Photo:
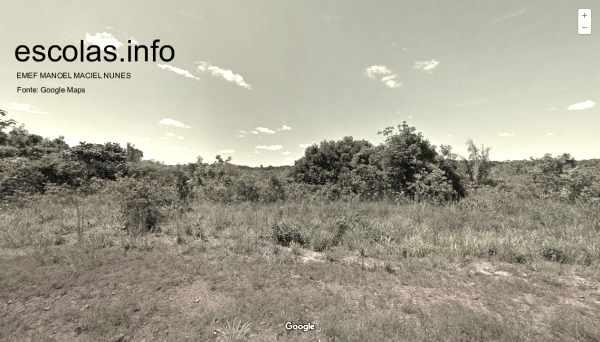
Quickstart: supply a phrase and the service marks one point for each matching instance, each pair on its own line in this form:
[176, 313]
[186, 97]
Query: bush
[20, 175]
[559, 177]
[325, 163]
[322, 239]
[406, 164]
[284, 233]
[143, 204]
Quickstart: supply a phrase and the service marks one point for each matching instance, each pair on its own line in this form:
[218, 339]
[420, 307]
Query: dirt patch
[308, 256]
[487, 268]
[197, 296]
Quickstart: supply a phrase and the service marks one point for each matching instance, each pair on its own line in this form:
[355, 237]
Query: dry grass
[493, 267]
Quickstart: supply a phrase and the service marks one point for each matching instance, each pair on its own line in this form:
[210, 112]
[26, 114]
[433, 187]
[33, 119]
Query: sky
[261, 80]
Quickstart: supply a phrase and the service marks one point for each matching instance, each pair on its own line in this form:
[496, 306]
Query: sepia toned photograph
[299, 170]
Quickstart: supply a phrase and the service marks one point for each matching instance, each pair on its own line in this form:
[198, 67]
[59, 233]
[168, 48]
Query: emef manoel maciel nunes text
[65, 75]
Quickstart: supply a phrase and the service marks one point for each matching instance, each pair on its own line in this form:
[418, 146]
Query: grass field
[493, 267]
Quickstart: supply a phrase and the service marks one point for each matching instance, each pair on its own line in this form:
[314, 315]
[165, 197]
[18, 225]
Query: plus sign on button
[584, 21]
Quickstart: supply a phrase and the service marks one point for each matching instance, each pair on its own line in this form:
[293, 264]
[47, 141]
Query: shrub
[325, 163]
[102, 161]
[432, 185]
[143, 203]
[478, 165]
[321, 240]
[406, 164]
[20, 175]
[284, 233]
[559, 177]
[183, 185]
[416, 247]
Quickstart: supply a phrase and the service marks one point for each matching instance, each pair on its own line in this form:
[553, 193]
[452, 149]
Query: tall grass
[488, 224]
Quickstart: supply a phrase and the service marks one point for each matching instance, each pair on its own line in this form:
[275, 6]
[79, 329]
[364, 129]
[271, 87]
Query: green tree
[478, 164]
[325, 163]
[5, 123]
[134, 155]
[103, 161]
[547, 171]
[411, 165]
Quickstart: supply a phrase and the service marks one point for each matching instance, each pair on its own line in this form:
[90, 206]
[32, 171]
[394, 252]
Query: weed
[284, 233]
[553, 254]
[235, 331]
[321, 240]
[415, 246]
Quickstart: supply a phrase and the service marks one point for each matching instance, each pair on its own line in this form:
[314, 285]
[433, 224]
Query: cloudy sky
[259, 80]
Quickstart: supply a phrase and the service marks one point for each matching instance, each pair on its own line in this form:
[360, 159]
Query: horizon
[260, 83]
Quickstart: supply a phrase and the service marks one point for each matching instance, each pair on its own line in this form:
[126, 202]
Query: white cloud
[553, 109]
[449, 135]
[227, 151]
[170, 134]
[24, 107]
[265, 130]
[506, 135]
[18, 106]
[428, 66]
[177, 71]
[171, 122]
[388, 81]
[285, 128]
[102, 40]
[382, 70]
[240, 136]
[272, 148]
[288, 152]
[289, 158]
[226, 74]
[549, 134]
[256, 152]
[304, 145]
[143, 148]
[377, 70]
[254, 132]
[243, 132]
[410, 116]
[582, 105]
[180, 137]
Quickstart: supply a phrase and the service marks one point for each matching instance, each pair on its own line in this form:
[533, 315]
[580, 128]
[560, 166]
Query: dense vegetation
[368, 242]
[404, 168]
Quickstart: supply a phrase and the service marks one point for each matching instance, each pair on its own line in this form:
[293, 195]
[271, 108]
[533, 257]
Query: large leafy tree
[406, 163]
[4, 124]
[134, 155]
[102, 161]
[410, 164]
[325, 163]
